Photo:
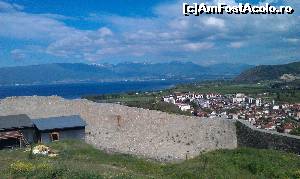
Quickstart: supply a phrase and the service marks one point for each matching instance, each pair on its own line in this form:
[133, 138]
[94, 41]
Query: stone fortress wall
[250, 136]
[116, 128]
[147, 133]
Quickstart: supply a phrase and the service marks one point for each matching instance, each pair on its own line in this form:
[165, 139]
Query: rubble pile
[43, 150]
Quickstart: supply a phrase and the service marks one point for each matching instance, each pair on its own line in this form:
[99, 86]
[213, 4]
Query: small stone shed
[60, 128]
[16, 131]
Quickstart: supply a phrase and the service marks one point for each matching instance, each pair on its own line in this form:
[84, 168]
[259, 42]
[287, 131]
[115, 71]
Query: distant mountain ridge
[268, 72]
[79, 72]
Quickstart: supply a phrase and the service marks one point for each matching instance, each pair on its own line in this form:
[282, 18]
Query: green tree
[295, 131]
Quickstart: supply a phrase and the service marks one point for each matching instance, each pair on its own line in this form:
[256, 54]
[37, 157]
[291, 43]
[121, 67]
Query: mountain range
[79, 72]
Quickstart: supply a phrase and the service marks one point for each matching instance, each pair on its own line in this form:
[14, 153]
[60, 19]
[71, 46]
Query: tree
[295, 131]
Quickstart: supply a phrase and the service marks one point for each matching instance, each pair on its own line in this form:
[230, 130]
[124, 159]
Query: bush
[295, 131]
[297, 174]
[19, 167]
[47, 170]
[23, 168]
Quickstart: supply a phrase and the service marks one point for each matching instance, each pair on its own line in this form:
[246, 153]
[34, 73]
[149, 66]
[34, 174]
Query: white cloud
[168, 34]
[18, 54]
[292, 40]
[70, 46]
[104, 31]
[198, 46]
[30, 26]
[7, 7]
[236, 44]
[215, 22]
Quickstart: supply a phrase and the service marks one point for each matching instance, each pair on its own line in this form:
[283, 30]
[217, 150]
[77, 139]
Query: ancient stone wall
[146, 133]
[249, 136]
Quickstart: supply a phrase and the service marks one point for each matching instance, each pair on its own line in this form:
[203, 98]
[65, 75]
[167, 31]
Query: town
[260, 111]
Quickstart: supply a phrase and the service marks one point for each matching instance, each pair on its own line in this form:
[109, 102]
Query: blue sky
[97, 31]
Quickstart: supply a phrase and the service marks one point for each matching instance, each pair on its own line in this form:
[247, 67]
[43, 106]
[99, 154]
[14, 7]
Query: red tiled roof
[288, 126]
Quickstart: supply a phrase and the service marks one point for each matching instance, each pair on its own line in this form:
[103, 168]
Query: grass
[80, 160]
[222, 88]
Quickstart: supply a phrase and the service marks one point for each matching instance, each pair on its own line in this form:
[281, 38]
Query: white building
[198, 96]
[203, 103]
[169, 99]
[184, 107]
[275, 107]
[239, 98]
[251, 100]
[258, 102]
[181, 98]
[298, 115]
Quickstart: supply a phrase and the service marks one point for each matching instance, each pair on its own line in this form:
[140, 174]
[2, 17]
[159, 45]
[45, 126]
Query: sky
[116, 31]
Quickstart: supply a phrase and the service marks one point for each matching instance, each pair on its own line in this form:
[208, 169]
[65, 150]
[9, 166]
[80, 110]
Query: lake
[72, 91]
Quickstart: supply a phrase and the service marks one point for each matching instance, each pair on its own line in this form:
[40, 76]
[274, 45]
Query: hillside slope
[268, 72]
[79, 160]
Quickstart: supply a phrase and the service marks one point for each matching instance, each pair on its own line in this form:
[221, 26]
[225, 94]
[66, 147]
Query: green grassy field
[222, 88]
[79, 160]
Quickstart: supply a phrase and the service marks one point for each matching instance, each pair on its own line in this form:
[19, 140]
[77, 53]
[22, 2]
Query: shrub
[19, 167]
[295, 131]
[22, 168]
[297, 174]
